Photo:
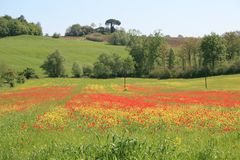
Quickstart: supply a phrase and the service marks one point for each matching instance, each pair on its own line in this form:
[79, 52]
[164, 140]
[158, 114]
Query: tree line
[106, 66]
[18, 26]
[151, 56]
[77, 30]
[197, 57]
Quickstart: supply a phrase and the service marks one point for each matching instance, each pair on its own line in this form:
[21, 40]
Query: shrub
[97, 37]
[29, 73]
[56, 35]
[76, 70]
[54, 65]
[10, 76]
[20, 78]
[234, 67]
[87, 70]
[119, 38]
[160, 73]
[101, 70]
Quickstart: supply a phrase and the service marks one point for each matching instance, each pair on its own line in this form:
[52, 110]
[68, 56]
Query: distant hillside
[30, 51]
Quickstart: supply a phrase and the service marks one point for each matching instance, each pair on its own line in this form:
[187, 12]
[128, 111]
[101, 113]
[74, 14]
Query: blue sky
[173, 17]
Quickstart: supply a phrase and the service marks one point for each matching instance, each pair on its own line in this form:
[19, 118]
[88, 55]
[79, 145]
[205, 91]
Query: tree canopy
[112, 23]
[19, 26]
[214, 49]
[54, 65]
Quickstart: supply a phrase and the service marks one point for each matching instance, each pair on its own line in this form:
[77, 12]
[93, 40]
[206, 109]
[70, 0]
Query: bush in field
[54, 65]
[102, 70]
[111, 64]
[87, 70]
[76, 70]
[78, 30]
[9, 76]
[119, 38]
[3, 69]
[29, 73]
[128, 66]
[20, 78]
[97, 37]
[160, 73]
[56, 35]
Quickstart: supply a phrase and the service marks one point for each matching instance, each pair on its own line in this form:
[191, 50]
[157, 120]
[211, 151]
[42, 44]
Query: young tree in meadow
[138, 51]
[56, 35]
[54, 65]
[171, 59]
[214, 50]
[128, 67]
[116, 65]
[87, 70]
[102, 70]
[76, 70]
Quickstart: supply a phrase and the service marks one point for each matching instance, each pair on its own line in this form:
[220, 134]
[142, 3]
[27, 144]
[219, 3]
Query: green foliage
[97, 37]
[54, 65]
[103, 67]
[101, 70]
[160, 73]
[87, 70]
[77, 30]
[120, 37]
[76, 70]
[18, 26]
[171, 59]
[233, 45]
[113, 66]
[214, 50]
[128, 66]
[112, 23]
[56, 35]
[29, 73]
[20, 78]
[190, 54]
[139, 54]
[9, 76]
[148, 52]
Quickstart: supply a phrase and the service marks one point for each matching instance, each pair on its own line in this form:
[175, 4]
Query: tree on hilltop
[112, 23]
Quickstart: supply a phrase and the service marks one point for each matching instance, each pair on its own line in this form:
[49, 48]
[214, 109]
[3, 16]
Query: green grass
[30, 51]
[130, 143]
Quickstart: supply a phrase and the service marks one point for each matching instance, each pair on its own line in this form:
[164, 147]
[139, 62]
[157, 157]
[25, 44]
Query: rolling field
[30, 51]
[97, 119]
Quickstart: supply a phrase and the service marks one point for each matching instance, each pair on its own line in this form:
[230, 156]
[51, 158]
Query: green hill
[30, 51]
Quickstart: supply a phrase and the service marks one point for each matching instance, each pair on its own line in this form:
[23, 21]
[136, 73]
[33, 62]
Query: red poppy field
[98, 119]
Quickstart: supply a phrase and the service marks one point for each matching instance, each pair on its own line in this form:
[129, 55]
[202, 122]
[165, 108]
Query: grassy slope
[30, 51]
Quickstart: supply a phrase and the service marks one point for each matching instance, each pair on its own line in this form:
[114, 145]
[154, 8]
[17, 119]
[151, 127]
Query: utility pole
[206, 74]
[124, 83]
[206, 86]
